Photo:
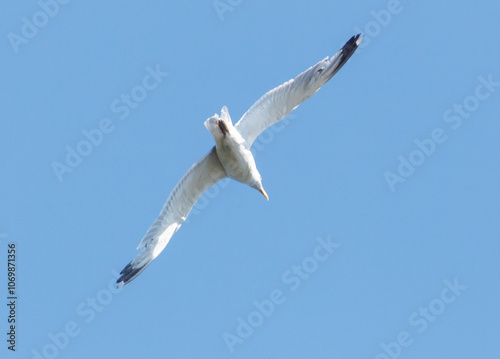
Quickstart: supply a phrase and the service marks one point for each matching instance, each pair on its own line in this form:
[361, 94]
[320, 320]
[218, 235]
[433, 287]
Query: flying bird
[231, 156]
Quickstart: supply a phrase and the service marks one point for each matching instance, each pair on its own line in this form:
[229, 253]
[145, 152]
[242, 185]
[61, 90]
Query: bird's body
[232, 152]
[238, 162]
[231, 157]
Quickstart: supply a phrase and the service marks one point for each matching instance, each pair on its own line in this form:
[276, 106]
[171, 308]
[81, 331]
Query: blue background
[324, 171]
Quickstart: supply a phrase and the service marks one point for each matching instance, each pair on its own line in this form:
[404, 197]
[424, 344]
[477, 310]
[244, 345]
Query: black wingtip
[129, 273]
[350, 46]
[354, 39]
[347, 50]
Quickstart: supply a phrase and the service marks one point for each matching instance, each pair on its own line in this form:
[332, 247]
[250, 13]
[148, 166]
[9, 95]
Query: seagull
[231, 156]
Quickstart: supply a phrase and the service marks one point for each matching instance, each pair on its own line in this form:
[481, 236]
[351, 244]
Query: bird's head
[258, 186]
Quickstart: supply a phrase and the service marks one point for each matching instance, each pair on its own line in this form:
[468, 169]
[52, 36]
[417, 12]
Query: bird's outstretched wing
[279, 102]
[200, 177]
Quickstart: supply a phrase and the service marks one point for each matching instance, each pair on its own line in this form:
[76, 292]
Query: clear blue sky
[394, 163]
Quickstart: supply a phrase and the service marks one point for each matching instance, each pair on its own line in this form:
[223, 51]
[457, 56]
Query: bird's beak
[264, 193]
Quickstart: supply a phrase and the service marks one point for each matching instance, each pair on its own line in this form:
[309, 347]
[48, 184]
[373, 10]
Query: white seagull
[231, 156]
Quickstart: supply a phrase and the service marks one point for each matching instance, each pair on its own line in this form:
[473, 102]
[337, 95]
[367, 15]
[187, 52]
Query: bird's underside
[231, 156]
